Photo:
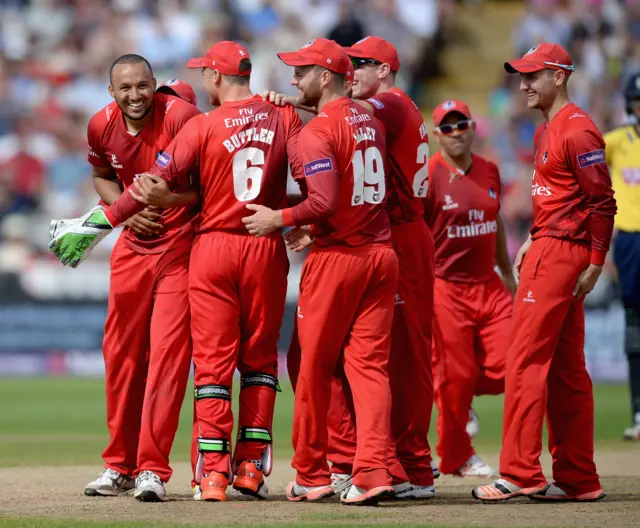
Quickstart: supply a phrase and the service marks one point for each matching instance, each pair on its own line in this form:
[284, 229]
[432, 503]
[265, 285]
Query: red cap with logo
[180, 89]
[542, 57]
[443, 109]
[225, 57]
[320, 52]
[376, 48]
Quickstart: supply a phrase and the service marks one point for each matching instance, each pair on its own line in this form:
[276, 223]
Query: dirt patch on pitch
[56, 492]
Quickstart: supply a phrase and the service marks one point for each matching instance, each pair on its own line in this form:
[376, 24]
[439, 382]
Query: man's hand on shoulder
[283, 100]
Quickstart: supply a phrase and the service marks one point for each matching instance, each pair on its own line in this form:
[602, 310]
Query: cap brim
[294, 58]
[167, 89]
[357, 53]
[198, 62]
[441, 117]
[522, 66]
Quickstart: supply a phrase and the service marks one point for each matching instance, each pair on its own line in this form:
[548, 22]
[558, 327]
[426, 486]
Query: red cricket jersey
[407, 154]
[112, 146]
[462, 214]
[571, 187]
[342, 151]
[241, 150]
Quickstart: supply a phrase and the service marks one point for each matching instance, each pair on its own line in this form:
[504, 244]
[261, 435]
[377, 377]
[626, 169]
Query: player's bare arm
[106, 183]
[502, 257]
[108, 188]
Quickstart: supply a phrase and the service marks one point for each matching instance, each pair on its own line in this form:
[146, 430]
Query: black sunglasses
[446, 130]
[359, 63]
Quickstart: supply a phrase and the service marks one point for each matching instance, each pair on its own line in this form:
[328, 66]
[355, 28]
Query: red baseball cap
[443, 109]
[180, 89]
[225, 57]
[542, 57]
[376, 48]
[320, 52]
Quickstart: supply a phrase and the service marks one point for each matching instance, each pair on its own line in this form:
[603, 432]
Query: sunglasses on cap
[359, 63]
[447, 130]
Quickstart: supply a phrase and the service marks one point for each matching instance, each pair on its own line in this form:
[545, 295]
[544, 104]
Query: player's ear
[155, 84]
[383, 70]
[112, 92]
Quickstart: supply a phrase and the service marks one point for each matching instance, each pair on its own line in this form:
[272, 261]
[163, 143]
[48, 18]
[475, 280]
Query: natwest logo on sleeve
[321, 165]
[591, 158]
[163, 159]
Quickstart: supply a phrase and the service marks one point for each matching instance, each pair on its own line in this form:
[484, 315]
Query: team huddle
[200, 274]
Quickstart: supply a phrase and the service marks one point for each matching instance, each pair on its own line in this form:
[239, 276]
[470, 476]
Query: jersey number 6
[368, 177]
[247, 177]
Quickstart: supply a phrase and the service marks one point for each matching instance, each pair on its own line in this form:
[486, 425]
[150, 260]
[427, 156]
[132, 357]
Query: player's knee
[632, 332]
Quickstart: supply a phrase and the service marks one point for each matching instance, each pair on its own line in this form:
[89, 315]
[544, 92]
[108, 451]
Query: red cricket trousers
[410, 359]
[410, 364]
[237, 290]
[147, 355]
[546, 373]
[345, 312]
[471, 328]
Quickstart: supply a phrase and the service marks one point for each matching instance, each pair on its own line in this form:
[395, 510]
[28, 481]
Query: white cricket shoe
[109, 484]
[434, 468]
[355, 496]
[473, 425]
[475, 467]
[633, 433]
[197, 493]
[340, 482]
[149, 487]
[408, 491]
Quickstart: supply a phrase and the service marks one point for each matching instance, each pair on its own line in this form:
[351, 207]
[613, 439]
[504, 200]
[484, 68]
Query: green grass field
[61, 421]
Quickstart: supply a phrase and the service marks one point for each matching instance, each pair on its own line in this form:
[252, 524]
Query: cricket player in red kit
[348, 282]
[472, 323]
[241, 150]
[147, 343]
[376, 65]
[558, 265]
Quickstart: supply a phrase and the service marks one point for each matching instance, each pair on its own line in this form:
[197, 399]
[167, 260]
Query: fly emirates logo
[537, 189]
[246, 116]
[476, 226]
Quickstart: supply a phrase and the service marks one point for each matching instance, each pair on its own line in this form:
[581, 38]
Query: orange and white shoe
[213, 487]
[355, 496]
[475, 467]
[250, 481]
[296, 492]
[501, 489]
[553, 493]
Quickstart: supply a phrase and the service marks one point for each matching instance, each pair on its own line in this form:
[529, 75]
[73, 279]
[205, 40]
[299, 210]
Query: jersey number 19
[368, 177]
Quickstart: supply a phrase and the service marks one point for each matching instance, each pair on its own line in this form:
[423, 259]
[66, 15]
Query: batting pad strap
[254, 434]
[213, 445]
[219, 392]
[259, 379]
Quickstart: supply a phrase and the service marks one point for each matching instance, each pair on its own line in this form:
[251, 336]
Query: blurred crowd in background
[55, 57]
